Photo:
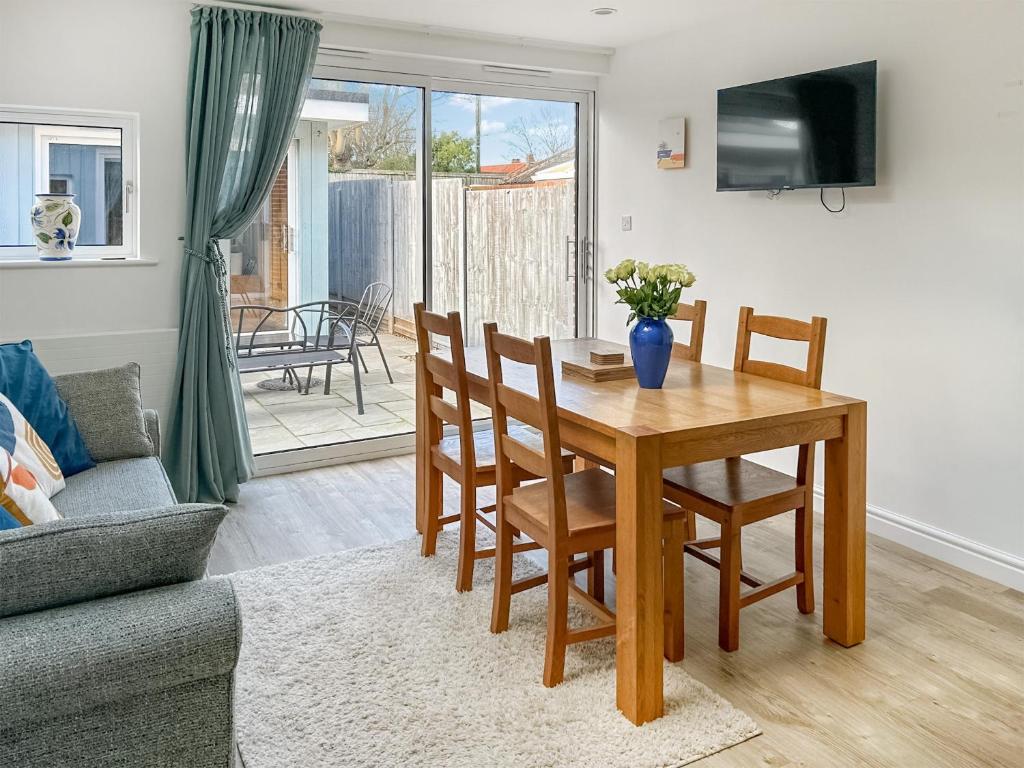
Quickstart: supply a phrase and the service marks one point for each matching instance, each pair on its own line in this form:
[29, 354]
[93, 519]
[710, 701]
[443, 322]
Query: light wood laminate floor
[939, 681]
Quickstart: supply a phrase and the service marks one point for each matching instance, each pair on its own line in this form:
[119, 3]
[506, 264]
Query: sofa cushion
[68, 561]
[115, 486]
[25, 381]
[107, 406]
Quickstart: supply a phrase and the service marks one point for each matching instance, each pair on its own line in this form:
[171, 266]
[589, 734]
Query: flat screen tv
[812, 130]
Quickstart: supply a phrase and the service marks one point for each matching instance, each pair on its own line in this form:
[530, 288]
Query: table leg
[845, 530]
[579, 464]
[640, 633]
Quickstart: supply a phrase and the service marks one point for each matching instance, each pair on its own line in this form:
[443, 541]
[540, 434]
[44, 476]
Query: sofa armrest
[64, 661]
[77, 559]
[153, 428]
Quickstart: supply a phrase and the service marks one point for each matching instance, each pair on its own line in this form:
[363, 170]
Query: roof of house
[505, 168]
[526, 174]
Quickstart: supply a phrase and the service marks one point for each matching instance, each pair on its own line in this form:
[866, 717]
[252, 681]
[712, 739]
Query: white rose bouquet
[650, 291]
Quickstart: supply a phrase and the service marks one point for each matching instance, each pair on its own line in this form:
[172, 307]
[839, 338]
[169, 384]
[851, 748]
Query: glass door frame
[586, 221]
[585, 248]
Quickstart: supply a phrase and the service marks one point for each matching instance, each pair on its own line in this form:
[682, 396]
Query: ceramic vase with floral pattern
[55, 223]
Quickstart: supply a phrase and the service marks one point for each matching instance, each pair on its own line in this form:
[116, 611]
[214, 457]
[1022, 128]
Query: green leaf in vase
[43, 237]
[67, 219]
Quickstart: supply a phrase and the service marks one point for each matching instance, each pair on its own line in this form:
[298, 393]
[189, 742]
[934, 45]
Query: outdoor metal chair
[365, 319]
[331, 341]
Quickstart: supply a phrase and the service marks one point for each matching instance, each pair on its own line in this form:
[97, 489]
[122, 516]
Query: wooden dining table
[702, 413]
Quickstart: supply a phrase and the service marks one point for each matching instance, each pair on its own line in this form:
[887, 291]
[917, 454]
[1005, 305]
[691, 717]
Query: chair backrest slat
[373, 304]
[540, 411]
[442, 371]
[779, 327]
[520, 405]
[444, 410]
[776, 371]
[524, 456]
[434, 323]
[696, 314]
[436, 374]
[520, 350]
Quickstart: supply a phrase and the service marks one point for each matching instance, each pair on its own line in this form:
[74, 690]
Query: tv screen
[813, 130]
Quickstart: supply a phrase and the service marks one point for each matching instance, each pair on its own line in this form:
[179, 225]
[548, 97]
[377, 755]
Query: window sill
[75, 263]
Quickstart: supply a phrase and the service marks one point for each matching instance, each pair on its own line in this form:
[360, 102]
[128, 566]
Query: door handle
[570, 259]
[588, 259]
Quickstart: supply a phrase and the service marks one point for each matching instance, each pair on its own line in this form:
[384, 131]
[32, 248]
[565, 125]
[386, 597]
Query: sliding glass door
[469, 197]
[508, 171]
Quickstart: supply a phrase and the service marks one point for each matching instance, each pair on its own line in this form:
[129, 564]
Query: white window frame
[472, 80]
[83, 124]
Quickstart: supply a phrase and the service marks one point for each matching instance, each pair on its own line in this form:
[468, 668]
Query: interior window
[87, 158]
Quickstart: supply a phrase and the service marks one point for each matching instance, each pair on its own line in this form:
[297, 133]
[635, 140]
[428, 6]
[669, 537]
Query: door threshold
[298, 459]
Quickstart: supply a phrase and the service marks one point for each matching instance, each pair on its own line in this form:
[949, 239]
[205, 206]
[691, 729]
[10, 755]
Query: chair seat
[449, 448]
[589, 502]
[732, 483]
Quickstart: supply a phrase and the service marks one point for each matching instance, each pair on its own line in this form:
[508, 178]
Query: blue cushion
[25, 381]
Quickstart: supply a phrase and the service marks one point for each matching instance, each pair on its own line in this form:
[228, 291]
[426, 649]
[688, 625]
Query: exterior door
[510, 208]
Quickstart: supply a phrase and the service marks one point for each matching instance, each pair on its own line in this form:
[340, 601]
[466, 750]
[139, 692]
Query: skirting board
[979, 559]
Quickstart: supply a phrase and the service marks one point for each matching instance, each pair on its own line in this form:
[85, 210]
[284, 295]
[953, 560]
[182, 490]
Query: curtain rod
[304, 13]
[325, 17]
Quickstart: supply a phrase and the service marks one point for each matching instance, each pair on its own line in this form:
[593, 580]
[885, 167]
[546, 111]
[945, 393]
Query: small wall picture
[672, 143]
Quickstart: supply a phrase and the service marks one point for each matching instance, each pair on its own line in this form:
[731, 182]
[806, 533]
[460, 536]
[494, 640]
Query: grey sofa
[113, 649]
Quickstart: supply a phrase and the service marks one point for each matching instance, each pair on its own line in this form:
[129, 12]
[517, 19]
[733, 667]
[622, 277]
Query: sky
[457, 111]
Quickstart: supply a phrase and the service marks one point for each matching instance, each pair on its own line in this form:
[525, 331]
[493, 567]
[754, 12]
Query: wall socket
[627, 223]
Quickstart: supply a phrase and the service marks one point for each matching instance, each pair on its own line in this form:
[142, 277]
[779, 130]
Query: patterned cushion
[22, 501]
[21, 441]
[25, 381]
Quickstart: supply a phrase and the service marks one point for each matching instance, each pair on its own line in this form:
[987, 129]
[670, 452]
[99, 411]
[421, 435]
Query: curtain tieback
[214, 258]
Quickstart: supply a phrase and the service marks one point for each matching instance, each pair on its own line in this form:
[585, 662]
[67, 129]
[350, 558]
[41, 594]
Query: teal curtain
[247, 81]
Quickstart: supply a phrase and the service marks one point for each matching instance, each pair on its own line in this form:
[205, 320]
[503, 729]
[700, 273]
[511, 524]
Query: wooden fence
[498, 254]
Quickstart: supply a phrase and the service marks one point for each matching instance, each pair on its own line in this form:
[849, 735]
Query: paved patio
[283, 421]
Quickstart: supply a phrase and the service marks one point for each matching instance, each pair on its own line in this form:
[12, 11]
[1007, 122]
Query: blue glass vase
[650, 343]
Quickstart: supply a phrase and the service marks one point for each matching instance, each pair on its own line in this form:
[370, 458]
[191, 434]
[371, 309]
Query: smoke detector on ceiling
[604, 11]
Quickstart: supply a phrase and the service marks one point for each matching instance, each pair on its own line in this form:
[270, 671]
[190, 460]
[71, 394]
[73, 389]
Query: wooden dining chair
[735, 492]
[466, 457]
[694, 313]
[570, 515]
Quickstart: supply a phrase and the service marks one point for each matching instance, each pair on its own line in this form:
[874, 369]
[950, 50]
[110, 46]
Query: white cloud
[467, 101]
[492, 126]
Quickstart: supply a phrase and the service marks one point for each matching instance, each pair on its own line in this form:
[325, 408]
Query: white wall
[132, 55]
[921, 278]
[115, 56]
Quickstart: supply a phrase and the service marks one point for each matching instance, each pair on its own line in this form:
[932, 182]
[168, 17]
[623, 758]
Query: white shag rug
[370, 658]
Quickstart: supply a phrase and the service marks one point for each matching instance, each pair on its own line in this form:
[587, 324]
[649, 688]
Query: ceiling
[568, 21]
